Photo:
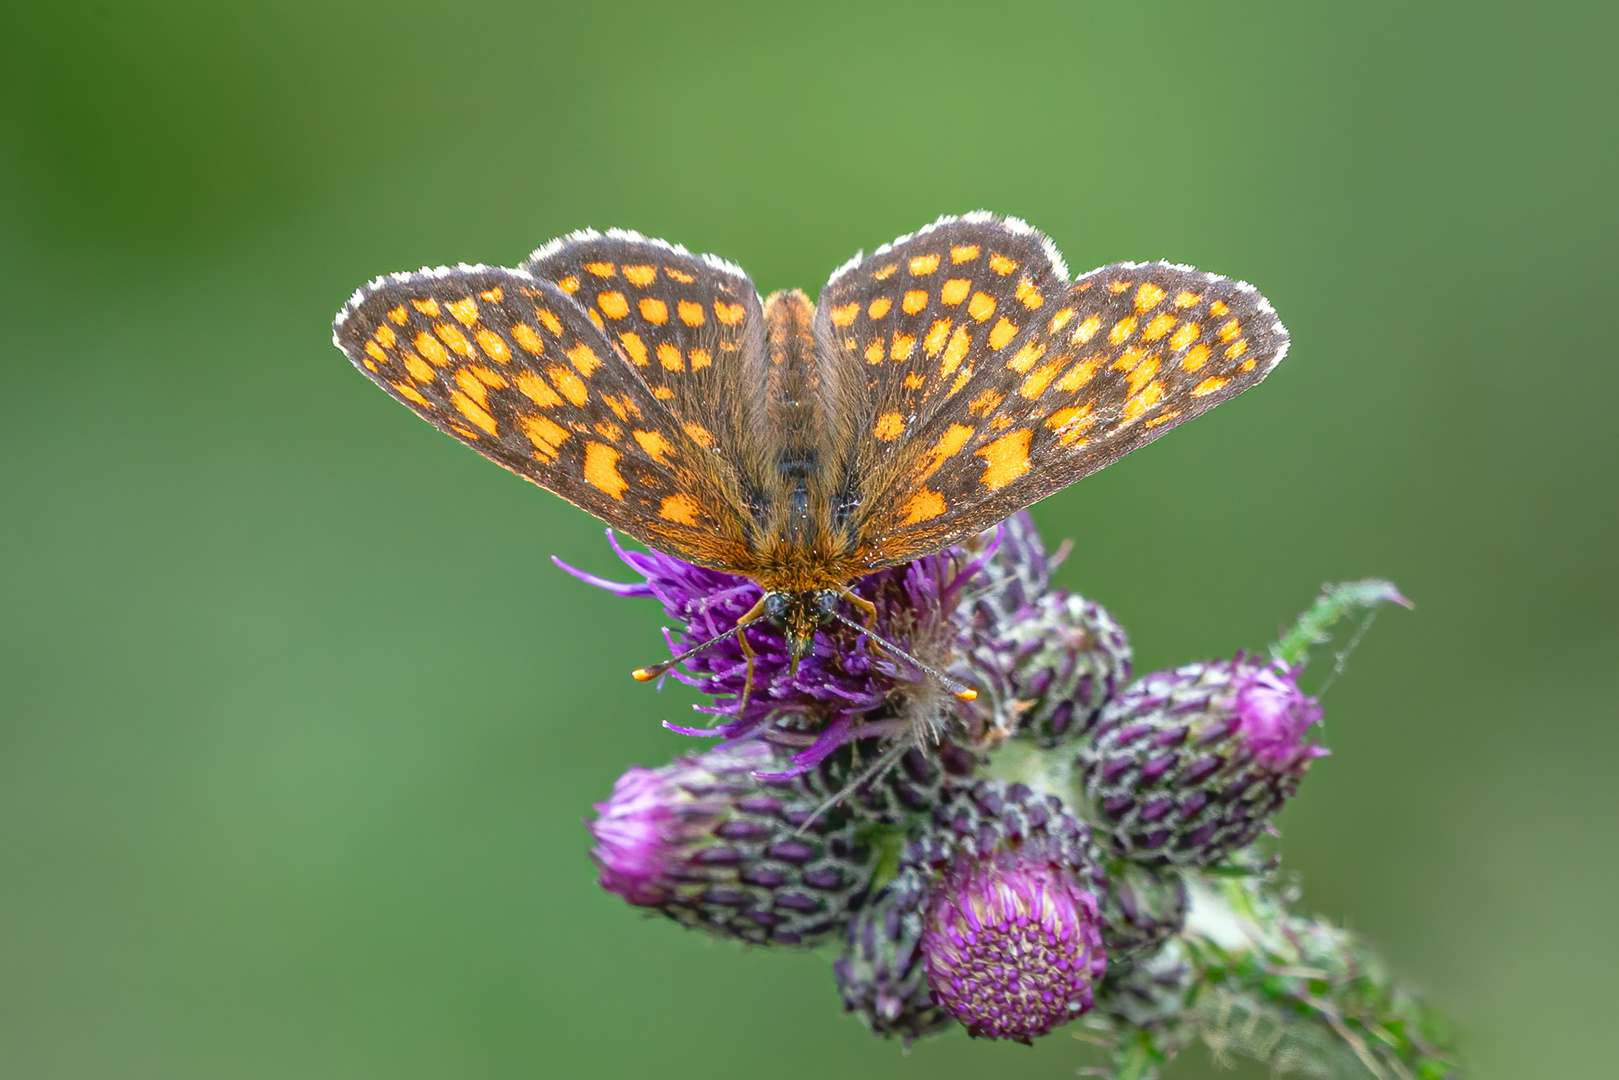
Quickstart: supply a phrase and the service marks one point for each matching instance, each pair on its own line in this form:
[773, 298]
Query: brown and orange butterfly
[936, 387]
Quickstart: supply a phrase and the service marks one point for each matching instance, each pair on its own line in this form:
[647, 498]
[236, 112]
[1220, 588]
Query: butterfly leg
[753, 615]
[867, 609]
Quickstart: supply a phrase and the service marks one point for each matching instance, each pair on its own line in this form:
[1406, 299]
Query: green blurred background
[299, 721]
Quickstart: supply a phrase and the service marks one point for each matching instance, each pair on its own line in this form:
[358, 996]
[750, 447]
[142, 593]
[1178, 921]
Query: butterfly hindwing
[510, 365]
[992, 381]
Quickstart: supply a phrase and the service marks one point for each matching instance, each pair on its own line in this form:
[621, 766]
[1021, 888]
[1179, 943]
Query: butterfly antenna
[956, 687]
[653, 671]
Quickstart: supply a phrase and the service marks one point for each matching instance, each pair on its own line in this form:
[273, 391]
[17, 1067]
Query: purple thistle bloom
[1186, 766]
[711, 844]
[1013, 946]
[847, 689]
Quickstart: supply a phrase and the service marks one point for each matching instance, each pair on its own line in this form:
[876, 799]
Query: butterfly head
[799, 614]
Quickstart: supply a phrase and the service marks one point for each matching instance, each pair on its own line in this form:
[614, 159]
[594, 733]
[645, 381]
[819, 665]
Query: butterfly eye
[826, 604]
[776, 607]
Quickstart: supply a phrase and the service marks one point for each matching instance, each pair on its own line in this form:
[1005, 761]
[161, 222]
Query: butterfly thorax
[800, 538]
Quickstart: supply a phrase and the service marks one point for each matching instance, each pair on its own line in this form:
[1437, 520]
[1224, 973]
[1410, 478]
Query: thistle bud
[881, 974]
[711, 845]
[1068, 658]
[1188, 765]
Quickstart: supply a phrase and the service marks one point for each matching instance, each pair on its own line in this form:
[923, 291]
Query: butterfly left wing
[510, 365]
[988, 380]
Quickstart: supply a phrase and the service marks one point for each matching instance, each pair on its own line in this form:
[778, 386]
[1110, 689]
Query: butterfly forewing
[691, 326]
[510, 365]
[992, 381]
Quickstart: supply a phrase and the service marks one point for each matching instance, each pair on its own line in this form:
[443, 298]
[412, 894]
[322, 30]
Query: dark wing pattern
[509, 364]
[691, 325]
[989, 381]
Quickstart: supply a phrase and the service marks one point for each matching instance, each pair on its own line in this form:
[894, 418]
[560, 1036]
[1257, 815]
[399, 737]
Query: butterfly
[934, 388]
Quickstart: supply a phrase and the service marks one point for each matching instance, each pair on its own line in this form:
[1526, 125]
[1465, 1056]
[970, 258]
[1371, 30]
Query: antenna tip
[647, 674]
[967, 694]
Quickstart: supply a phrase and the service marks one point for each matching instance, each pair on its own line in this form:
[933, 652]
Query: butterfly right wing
[510, 365]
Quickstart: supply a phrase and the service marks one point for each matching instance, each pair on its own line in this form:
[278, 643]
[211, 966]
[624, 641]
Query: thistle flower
[711, 844]
[881, 973]
[1068, 658]
[1188, 765]
[847, 690]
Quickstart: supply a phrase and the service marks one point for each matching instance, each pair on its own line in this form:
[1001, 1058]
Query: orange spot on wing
[889, 426]
[691, 313]
[1128, 359]
[914, 301]
[700, 359]
[1183, 337]
[1236, 349]
[904, 345]
[537, 390]
[609, 431]
[528, 339]
[981, 306]
[654, 311]
[1070, 424]
[1148, 297]
[875, 349]
[613, 304]
[1025, 357]
[679, 508]
[669, 356]
[1158, 327]
[634, 347]
[1036, 384]
[879, 307]
[1117, 287]
[923, 264]
[1140, 403]
[465, 310]
[569, 285]
[1163, 418]
[418, 369]
[844, 316]
[1001, 264]
[1002, 334]
[584, 358]
[493, 345]
[1121, 330]
[1142, 373]
[595, 317]
[951, 442]
[601, 469]
[546, 436]
[663, 393]
[493, 296]
[568, 383]
[885, 273]
[679, 275]
[955, 290]
[600, 269]
[429, 346]
[1080, 374]
[1028, 294]
[386, 337]
[1230, 330]
[473, 411]
[1195, 359]
[548, 319]
[985, 403]
[934, 341]
[1005, 459]
[729, 314]
[955, 352]
[914, 381]
[923, 506]
[655, 445]
[641, 276]
[410, 393]
[1218, 308]
[472, 387]
[963, 253]
[454, 338]
[376, 352]
[1086, 330]
[428, 307]
[399, 314]
[700, 435]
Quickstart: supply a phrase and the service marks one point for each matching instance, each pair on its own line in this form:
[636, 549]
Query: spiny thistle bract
[1066, 845]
